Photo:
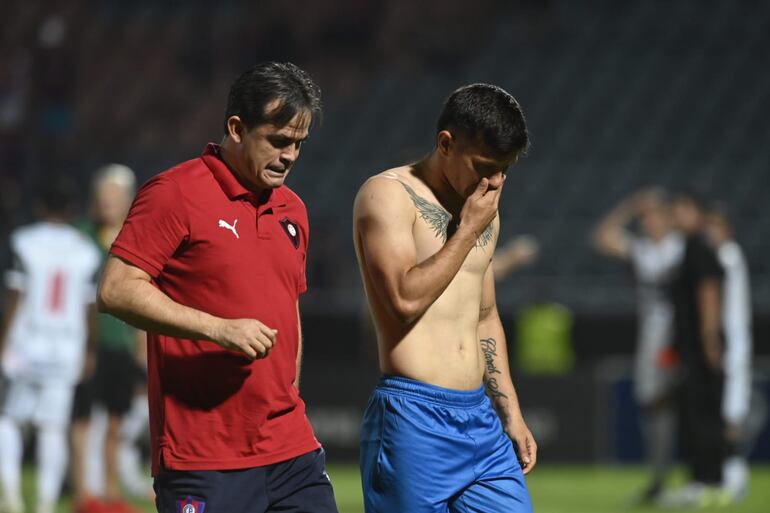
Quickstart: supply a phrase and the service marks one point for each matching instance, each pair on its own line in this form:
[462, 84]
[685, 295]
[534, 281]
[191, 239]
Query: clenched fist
[247, 336]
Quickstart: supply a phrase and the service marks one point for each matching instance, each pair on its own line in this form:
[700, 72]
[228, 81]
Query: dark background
[618, 95]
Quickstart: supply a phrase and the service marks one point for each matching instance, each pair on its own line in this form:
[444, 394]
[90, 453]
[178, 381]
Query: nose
[496, 180]
[289, 155]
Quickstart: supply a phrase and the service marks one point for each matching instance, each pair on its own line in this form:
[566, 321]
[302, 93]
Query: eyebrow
[286, 138]
[489, 164]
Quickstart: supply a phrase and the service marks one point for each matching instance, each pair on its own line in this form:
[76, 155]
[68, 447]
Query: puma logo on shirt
[231, 227]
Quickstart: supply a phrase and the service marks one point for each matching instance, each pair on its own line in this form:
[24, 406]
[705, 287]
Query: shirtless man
[424, 236]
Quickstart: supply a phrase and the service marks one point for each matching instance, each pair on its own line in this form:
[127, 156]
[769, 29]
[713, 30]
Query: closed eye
[485, 169]
[284, 142]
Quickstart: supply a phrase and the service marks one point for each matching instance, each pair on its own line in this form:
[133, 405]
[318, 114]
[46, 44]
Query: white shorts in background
[39, 403]
[652, 382]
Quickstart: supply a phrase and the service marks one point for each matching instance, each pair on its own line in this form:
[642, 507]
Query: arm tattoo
[485, 237]
[438, 218]
[489, 348]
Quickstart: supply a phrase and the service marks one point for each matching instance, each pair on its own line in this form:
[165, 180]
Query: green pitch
[555, 489]
[577, 489]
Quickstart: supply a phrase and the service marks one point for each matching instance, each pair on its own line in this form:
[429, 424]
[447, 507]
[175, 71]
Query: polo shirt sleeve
[156, 226]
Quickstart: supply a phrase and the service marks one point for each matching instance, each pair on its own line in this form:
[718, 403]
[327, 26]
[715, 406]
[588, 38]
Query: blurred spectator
[543, 328]
[54, 75]
[653, 256]
[118, 364]
[14, 90]
[696, 293]
[736, 326]
[50, 300]
[516, 253]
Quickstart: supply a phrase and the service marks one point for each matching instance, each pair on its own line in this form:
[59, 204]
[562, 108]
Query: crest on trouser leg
[190, 505]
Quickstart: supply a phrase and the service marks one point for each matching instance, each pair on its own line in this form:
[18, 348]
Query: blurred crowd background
[618, 96]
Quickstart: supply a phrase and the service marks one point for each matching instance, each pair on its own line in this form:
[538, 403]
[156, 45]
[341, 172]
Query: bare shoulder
[385, 191]
[388, 179]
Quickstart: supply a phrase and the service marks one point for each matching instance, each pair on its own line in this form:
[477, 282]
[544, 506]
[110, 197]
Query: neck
[229, 156]
[107, 234]
[113, 224]
[431, 172]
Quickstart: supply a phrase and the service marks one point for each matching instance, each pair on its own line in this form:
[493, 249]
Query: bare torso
[441, 347]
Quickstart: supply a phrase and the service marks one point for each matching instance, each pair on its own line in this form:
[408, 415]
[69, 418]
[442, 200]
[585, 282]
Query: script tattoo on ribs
[489, 348]
[438, 218]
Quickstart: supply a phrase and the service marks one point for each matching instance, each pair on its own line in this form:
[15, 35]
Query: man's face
[267, 152]
[717, 229]
[111, 203]
[655, 219]
[687, 215]
[468, 161]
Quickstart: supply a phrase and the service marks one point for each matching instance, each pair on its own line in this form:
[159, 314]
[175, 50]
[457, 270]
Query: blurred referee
[696, 294]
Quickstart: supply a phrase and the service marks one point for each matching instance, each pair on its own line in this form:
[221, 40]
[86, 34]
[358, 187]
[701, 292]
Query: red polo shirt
[210, 244]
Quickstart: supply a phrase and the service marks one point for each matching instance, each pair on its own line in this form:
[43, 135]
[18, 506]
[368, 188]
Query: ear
[444, 142]
[235, 129]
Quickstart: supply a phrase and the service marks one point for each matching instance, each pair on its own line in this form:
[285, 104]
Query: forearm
[425, 282]
[503, 263]
[497, 376]
[609, 235]
[710, 317]
[142, 305]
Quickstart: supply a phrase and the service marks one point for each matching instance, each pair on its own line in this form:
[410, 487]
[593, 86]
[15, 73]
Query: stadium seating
[618, 96]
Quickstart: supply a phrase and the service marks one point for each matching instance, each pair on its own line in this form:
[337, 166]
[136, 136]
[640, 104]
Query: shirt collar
[230, 185]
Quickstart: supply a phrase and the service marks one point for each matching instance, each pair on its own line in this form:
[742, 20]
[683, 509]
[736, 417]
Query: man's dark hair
[255, 88]
[694, 196]
[489, 113]
[57, 196]
[721, 209]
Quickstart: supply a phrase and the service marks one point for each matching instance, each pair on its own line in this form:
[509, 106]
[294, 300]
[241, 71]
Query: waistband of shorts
[399, 385]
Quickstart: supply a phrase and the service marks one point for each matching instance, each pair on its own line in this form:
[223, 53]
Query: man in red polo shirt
[211, 262]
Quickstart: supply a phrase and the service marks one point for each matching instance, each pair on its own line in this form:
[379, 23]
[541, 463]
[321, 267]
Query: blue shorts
[298, 485]
[427, 449]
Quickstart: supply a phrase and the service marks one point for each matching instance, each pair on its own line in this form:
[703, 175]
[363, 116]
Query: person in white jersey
[736, 326]
[51, 290]
[653, 255]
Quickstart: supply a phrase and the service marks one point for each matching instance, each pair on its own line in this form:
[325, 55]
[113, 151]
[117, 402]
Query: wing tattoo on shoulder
[436, 217]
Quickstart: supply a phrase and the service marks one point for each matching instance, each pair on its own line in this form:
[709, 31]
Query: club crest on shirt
[190, 505]
[290, 228]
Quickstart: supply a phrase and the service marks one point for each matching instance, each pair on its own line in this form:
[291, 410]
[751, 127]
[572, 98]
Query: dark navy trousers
[299, 485]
